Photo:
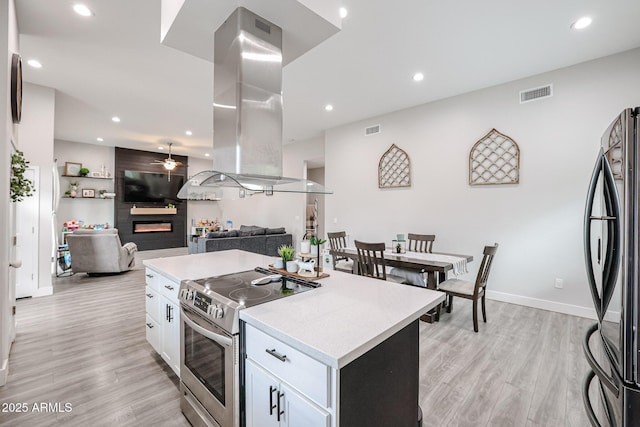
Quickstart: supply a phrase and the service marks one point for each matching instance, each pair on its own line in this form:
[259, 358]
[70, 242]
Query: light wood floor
[86, 346]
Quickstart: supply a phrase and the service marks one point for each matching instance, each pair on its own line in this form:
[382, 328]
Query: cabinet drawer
[169, 289]
[153, 333]
[152, 279]
[297, 369]
[152, 304]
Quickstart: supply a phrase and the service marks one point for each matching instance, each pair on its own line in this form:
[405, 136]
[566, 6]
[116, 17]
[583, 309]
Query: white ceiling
[113, 63]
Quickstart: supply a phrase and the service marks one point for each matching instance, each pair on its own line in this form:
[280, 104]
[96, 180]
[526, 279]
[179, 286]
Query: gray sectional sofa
[251, 238]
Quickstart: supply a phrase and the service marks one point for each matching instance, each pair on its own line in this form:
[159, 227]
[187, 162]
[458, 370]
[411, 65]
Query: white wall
[9, 131]
[197, 210]
[538, 223]
[91, 156]
[36, 141]
[282, 209]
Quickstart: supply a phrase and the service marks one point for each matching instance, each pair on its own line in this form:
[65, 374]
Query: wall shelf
[88, 177]
[154, 211]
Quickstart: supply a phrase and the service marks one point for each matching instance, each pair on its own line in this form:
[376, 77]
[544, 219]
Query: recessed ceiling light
[99, 139]
[581, 23]
[328, 107]
[418, 77]
[206, 154]
[82, 10]
[343, 12]
[34, 63]
[189, 133]
[115, 119]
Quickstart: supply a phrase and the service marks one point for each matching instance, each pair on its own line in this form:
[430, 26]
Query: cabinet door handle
[274, 353]
[166, 312]
[149, 276]
[170, 318]
[149, 325]
[149, 295]
[169, 287]
[280, 395]
[271, 405]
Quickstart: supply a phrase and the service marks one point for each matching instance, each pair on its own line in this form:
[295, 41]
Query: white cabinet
[271, 402]
[284, 387]
[163, 317]
[171, 335]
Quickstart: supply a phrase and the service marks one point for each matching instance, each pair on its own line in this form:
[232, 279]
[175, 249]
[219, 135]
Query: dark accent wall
[136, 160]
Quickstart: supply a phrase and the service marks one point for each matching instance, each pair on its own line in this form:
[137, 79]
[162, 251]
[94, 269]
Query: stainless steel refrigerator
[612, 256]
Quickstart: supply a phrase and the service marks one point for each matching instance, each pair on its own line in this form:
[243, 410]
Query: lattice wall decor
[494, 159]
[394, 169]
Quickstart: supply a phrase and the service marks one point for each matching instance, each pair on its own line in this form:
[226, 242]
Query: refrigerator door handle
[605, 379]
[599, 250]
[587, 403]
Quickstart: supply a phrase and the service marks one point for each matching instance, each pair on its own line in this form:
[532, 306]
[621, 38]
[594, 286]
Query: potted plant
[315, 250]
[20, 187]
[84, 172]
[315, 244]
[73, 189]
[286, 252]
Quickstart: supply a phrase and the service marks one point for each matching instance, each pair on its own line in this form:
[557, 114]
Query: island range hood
[247, 113]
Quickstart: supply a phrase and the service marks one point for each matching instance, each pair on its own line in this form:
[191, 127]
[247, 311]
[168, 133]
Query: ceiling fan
[169, 163]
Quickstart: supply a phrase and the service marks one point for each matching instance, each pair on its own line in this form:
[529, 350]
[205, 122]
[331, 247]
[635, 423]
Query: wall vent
[371, 130]
[536, 93]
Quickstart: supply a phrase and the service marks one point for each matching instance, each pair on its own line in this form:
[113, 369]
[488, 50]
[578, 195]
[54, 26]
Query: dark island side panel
[380, 388]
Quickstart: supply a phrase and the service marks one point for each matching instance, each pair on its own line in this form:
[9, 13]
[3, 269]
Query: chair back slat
[421, 242]
[337, 240]
[485, 267]
[371, 260]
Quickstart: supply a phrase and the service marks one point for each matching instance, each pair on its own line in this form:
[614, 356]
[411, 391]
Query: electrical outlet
[559, 283]
[335, 220]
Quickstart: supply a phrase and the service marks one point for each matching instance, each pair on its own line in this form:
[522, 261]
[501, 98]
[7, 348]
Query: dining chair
[421, 242]
[371, 262]
[471, 290]
[338, 240]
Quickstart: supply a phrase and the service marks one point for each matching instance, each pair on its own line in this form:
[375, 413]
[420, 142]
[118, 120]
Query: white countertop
[209, 264]
[335, 323]
[344, 318]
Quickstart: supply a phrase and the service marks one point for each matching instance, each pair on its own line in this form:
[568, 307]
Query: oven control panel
[203, 303]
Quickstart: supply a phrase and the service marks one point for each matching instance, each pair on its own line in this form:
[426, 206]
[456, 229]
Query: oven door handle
[220, 339]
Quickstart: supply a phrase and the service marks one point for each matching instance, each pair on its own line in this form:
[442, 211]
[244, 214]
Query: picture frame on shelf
[72, 169]
[89, 193]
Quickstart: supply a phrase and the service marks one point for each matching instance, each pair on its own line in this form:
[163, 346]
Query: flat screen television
[148, 187]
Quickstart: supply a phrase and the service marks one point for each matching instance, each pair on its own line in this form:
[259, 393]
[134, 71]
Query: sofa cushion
[279, 230]
[222, 234]
[253, 230]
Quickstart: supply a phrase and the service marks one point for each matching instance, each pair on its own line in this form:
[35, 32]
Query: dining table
[434, 265]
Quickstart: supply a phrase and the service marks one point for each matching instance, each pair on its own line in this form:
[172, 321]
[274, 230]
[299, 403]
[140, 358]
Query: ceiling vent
[536, 93]
[371, 130]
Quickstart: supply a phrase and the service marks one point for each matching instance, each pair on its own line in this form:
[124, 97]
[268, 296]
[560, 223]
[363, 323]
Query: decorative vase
[73, 193]
[292, 266]
[305, 246]
[314, 249]
[278, 263]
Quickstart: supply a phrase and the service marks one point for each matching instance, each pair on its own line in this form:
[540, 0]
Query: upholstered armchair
[100, 251]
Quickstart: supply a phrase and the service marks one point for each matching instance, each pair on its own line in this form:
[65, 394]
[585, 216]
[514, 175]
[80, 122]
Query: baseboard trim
[574, 310]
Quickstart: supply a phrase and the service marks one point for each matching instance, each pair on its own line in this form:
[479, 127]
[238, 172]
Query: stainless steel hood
[247, 114]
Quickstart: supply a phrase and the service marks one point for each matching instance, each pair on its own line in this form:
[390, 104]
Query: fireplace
[154, 226]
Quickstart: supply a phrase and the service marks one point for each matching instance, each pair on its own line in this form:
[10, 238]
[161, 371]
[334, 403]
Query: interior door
[26, 239]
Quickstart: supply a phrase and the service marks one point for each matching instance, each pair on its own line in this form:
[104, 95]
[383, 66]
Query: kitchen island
[345, 353]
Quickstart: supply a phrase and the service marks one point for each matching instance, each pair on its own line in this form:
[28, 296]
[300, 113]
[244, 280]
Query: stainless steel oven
[209, 339]
[208, 371]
